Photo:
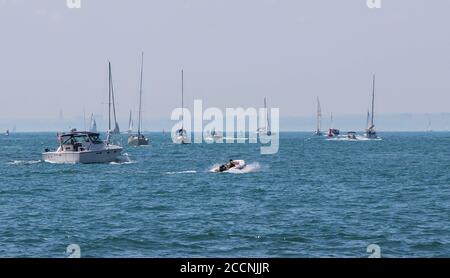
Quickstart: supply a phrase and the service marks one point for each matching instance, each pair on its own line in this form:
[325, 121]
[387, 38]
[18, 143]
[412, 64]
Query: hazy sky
[233, 53]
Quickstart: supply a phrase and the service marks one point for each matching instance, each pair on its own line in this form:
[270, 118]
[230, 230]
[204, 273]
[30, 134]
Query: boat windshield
[70, 140]
[95, 139]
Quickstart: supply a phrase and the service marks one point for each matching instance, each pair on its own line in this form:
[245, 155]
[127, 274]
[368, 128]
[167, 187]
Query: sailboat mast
[140, 96]
[113, 99]
[373, 100]
[319, 115]
[182, 100]
[109, 96]
[267, 113]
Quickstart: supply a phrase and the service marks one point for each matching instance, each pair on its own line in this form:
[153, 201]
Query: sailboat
[370, 132]
[130, 124]
[93, 124]
[332, 132]
[319, 119]
[266, 130]
[138, 139]
[180, 134]
[112, 103]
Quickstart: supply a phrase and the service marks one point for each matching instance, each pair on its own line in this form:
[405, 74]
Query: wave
[24, 162]
[124, 159]
[358, 138]
[182, 172]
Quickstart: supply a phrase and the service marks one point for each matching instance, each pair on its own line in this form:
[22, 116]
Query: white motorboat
[370, 132]
[332, 132]
[82, 147]
[232, 164]
[138, 139]
[352, 135]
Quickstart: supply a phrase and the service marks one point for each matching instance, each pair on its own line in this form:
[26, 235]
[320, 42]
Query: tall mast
[331, 120]
[109, 96]
[140, 95]
[319, 115]
[113, 99]
[182, 100]
[373, 100]
[267, 113]
[368, 118]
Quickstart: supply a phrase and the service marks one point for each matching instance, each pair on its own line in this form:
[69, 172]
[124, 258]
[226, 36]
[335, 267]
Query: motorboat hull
[100, 156]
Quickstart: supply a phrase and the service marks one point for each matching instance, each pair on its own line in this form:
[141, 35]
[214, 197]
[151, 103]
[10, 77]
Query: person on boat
[231, 163]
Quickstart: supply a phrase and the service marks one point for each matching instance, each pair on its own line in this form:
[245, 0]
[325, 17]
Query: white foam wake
[23, 162]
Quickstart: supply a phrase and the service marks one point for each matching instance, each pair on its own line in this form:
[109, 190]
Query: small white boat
[332, 132]
[318, 131]
[266, 130]
[82, 147]
[181, 134]
[93, 125]
[138, 139]
[7, 132]
[352, 135]
[232, 164]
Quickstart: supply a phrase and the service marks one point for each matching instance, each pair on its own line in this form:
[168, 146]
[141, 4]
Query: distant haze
[233, 52]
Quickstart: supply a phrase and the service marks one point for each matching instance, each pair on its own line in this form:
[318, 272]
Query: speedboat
[82, 147]
[351, 135]
[232, 164]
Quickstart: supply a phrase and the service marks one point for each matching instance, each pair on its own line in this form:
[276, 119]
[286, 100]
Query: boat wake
[182, 172]
[124, 159]
[23, 162]
[358, 138]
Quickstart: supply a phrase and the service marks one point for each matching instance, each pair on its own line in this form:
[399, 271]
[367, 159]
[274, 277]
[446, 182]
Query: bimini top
[77, 133]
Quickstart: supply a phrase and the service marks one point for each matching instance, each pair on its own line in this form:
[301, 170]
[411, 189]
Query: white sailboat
[181, 134]
[138, 139]
[319, 119]
[112, 103]
[130, 124]
[266, 130]
[93, 124]
[370, 132]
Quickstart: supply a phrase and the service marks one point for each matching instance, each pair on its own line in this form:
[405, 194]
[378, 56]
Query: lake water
[314, 198]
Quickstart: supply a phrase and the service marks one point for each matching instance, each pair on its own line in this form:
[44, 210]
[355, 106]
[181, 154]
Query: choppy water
[315, 198]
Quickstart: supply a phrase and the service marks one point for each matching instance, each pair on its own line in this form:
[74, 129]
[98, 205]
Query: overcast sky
[233, 53]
